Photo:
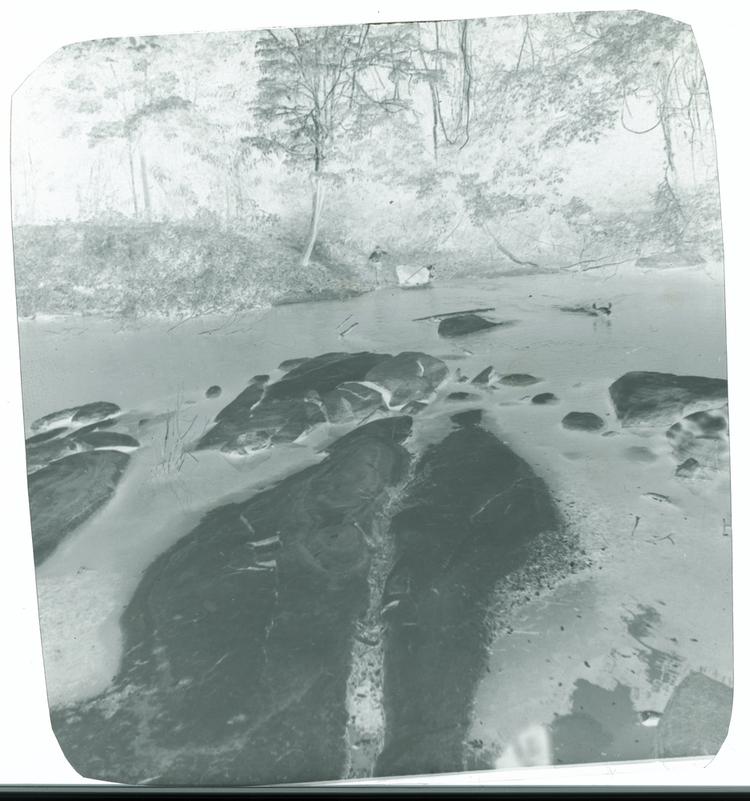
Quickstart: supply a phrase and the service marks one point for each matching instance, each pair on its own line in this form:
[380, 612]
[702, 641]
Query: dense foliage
[275, 161]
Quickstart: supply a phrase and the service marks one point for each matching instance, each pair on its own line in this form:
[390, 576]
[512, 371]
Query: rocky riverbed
[371, 561]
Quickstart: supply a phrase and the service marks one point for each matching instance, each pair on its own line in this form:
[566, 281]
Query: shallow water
[655, 603]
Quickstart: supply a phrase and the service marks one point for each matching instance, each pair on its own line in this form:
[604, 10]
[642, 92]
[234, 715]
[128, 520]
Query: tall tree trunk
[317, 206]
[134, 193]
[146, 191]
[433, 95]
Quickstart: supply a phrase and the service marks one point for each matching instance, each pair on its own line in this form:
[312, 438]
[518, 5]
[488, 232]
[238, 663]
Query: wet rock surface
[238, 638]
[649, 398]
[702, 437]
[544, 398]
[68, 491]
[467, 517]
[519, 380]
[409, 376]
[461, 325]
[351, 401]
[265, 413]
[583, 421]
[79, 415]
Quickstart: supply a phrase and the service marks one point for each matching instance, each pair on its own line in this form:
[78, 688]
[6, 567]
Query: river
[655, 601]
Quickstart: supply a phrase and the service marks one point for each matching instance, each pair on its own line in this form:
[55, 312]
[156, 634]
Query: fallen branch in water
[452, 314]
[346, 330]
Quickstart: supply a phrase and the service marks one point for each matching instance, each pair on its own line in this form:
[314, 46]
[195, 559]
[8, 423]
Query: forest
[216, 172]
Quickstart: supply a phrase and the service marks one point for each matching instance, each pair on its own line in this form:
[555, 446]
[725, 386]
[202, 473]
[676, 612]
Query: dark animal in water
[602, 309]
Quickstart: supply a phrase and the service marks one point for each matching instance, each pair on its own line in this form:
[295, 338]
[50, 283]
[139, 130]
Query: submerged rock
[89, 412]
[639, 453]
[461, 325]
[41, 453]
[467, 519]
[235, 418]
[519, 380]
[583, 421]
[95, 411]
[544, 398]
[213, 391]
[290, 364]
[462, 396]
[702, 436]
[105, 439]
[67, 492]
[409, 376]
[51, 433]
[648, 398]
[488, 377]
[312, 391]
[237, 641]
[472, 417]
[688, 468]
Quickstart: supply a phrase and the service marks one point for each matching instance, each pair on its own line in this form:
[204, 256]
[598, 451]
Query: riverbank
[175, 271]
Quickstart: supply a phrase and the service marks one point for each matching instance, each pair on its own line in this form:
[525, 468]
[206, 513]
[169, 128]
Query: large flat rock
[467, 518]
[649, 398]
[237, 642]
[67, 492]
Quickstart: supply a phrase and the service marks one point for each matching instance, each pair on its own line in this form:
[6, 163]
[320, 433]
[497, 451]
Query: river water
[655, 602]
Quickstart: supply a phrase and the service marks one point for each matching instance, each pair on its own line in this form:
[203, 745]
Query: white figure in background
[409, 276]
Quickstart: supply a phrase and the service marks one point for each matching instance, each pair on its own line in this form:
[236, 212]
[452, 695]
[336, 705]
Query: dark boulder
[703, 436]
[583, 421]
[648, 398]
[351, 400]
[236, 411]
[51, 433]
[268, 413]
[487, 377]
[409, 376]
[266, 424]
[471, 417]
[89, 412]
[40, 454]
[67, 492]
[323, 374]
[461, 325]
[467, 518]
[104, 439]
[290, 364]
[544, 398]
[462, 396]
[688, 468]
[519, 380]
[213, 391]
[639, 453]
[237, 642]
